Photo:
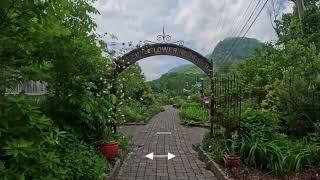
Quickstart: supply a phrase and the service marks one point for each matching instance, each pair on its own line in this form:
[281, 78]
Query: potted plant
[109, 146]
[232, 160]
[229, 155]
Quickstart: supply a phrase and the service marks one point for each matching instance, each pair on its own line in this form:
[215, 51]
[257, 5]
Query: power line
[243, 27]
[224, 22]
[240, 20]
[222, 15]
[265, 3]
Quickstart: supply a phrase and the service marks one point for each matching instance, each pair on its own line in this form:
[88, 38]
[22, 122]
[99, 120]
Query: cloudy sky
[201, 24]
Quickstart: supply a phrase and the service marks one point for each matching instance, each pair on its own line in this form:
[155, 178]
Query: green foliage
[181, 81]
[194, 113]
[290, 27]
[215, 145]
[186, 69]
[186, 80]
[280, 89]
[279, 155]
[124, 141]
[177, 101]
[28, 141]
[138, 100]
[259, 124]
[239, 53]
[33, 147]
[135, 111]
[80, 160]
[52, 41]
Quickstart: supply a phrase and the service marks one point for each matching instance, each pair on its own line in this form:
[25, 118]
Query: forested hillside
[182, 80]
[186, 79]
[243, 49]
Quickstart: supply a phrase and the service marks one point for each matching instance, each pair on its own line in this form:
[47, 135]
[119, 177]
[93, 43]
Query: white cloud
[200, 23]
[154, 67]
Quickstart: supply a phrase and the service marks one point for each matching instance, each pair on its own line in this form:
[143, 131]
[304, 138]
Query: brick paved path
[184, 166]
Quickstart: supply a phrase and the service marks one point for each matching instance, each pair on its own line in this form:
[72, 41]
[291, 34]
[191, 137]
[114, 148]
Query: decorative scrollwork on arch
[164, 38]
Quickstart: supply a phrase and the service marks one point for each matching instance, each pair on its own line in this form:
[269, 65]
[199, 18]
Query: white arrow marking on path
[163, 132]
[170, 156]
[151, 155]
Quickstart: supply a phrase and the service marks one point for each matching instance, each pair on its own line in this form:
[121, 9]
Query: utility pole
[301, 8]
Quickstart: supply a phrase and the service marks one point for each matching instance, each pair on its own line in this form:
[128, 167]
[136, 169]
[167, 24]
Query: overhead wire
[243, 28]
[254, 20]
[239, 21]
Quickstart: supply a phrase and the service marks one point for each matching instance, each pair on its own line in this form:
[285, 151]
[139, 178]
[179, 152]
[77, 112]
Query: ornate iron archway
[149, 50]
[172, 49]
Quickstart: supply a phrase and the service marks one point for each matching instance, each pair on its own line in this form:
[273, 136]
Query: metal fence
[31, 88]
[226, 102]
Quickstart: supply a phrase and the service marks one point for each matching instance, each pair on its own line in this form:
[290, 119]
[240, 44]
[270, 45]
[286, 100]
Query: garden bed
[141, 122]
[210, 164]
[146, 120]
[194, 114]
[248, 173]
[136, 113]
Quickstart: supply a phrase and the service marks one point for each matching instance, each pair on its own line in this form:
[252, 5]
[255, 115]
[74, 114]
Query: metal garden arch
[170, 49]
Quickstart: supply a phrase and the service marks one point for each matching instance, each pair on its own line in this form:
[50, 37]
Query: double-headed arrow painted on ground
[169, 156]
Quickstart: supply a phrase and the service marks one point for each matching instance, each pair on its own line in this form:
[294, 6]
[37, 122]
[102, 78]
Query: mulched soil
[247, 173]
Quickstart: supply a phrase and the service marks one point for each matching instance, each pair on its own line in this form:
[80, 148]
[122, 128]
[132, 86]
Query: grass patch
[193, 113]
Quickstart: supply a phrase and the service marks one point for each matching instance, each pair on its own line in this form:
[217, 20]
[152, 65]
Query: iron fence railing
[226, 102]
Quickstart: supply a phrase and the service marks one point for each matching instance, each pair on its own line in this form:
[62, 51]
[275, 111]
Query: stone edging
[210, 164]
[119, 162]
[198, 125]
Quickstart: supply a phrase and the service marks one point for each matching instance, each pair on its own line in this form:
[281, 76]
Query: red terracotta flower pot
[233, 161]
[109, 150]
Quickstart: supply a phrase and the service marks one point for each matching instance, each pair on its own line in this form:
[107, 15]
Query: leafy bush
[32, 147]
[134, 111]
[28, 141]
[80, 160]
[177, 101]
[194, 113]
[215, 145]
[282, 82]
[262, 146]
[258, 124]
[122, 140]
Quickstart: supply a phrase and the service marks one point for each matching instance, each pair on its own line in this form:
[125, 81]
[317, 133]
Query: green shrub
[194, 113]
[32, 147]
[215, 145]
[28, 142]
[259, 124]
[81, 160]
[134, 111]
[123, 141]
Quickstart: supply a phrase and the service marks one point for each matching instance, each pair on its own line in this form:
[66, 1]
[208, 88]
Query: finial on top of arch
[164, 39]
